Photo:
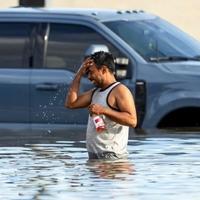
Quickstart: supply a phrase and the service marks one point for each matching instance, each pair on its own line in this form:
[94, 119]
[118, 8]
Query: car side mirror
[121, 67]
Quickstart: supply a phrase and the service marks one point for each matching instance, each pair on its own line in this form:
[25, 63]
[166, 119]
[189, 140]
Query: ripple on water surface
[164, 168]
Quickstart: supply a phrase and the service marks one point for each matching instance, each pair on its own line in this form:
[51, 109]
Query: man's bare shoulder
[90, 92]
[120, 89]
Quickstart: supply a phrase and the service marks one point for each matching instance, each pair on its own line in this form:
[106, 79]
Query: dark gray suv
[41, 49]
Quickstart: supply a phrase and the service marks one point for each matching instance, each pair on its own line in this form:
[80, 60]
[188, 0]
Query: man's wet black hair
[103, 58]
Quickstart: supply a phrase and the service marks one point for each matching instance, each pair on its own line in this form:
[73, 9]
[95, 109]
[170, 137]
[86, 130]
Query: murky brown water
[160, 167]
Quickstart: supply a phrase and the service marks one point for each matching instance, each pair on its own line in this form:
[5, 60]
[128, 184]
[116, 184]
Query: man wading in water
[110, 101]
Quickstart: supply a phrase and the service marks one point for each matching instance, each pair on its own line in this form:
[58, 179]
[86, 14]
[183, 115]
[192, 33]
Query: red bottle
[99, 123]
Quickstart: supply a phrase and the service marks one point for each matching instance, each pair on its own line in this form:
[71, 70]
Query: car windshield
[157, 40]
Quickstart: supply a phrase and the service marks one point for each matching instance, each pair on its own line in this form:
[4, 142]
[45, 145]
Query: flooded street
[159, 167]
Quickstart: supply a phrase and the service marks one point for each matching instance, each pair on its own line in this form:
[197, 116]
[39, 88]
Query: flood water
[161, 166]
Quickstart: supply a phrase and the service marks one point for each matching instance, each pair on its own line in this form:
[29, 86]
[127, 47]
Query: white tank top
[115, 137]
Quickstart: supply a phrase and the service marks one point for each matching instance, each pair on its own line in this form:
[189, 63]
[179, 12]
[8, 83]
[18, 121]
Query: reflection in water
[111, 169]
[160, 166]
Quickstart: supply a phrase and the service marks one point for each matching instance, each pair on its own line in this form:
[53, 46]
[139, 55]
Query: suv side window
[15, 44]
[68, 43]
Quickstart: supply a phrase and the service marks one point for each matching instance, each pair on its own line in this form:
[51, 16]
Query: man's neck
[108, 82]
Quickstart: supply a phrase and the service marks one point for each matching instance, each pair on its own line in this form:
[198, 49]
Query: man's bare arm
[73, 99]
[126, 106]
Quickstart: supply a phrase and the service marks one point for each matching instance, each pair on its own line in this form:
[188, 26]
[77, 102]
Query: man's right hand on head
[85, 66]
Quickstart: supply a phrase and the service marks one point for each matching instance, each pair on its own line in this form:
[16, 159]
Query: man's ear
[104, 69]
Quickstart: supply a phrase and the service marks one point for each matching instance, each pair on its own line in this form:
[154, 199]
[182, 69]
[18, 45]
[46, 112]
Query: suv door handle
[47, 87]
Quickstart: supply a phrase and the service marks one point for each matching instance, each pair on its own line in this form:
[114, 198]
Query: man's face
[95, 75]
